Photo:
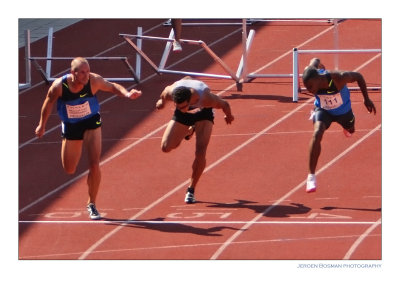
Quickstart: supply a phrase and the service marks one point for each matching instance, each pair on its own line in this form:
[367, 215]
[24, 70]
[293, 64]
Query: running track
[252, 203]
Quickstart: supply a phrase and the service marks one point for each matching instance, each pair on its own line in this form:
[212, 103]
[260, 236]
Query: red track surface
[252, 200]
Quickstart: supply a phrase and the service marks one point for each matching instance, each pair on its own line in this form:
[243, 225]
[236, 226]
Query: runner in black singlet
[78, 108]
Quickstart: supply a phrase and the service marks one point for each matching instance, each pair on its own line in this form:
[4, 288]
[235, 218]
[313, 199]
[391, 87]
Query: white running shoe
[93, 213]
[189, 198]
[311, 183]
[176, 47]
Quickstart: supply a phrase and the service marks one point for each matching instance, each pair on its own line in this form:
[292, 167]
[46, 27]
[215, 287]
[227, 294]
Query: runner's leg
[203, 134]
[315, 145]
[92, 140]
[71, 151]
[173, 136]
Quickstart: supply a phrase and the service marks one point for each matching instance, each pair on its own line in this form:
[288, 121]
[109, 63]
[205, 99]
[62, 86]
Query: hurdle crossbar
[46, 75]
[206, 23]
[296, 74]
[252, 75]
[161, 68]
[249, 21]
[329, 21]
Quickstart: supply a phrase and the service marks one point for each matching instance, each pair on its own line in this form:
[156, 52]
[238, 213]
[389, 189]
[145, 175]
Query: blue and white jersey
[75, 107]
[334, 101]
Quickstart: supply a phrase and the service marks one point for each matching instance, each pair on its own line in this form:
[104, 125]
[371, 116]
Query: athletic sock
[190, 190]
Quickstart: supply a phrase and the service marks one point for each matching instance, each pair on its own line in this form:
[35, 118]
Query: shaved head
[77, 62]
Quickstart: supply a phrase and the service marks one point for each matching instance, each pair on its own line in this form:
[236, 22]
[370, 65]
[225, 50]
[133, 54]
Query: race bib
[330, 101]
[78, 111]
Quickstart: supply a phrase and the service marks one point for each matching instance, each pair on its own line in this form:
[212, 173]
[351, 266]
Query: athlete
[78, 108]
[194, 104]
[332, 104]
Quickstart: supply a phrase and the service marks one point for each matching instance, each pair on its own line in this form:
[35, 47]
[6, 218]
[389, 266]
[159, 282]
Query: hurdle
[230, 74]
[46, 74]
[247, 77]
[47, 77]
[296, 74]
[28, 65]
[238, 77]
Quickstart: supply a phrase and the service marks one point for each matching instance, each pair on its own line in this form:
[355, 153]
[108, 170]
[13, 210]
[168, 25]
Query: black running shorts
[189, 119]
[75, 131]
[346, 120]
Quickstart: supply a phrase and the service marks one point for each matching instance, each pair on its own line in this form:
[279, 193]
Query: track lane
[193, 231]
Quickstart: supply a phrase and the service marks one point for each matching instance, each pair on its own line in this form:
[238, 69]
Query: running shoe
[311, 183]
[93, 213]
[176, 47]
[189, 198]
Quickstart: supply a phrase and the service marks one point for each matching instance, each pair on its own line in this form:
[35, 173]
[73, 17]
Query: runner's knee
[165, 147]
[69, 169]
[94, 167]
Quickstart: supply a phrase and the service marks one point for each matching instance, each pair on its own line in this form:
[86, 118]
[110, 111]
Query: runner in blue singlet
[332, 104]
[78, 108]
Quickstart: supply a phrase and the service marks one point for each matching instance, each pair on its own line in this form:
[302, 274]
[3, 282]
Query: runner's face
[82, 74]
[312, 85]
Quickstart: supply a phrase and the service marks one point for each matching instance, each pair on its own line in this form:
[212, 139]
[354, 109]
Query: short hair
[309, 73]
[78, 61]
[181, 94]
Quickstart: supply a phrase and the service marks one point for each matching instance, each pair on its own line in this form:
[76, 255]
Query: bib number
[331, 101]
[78, 111]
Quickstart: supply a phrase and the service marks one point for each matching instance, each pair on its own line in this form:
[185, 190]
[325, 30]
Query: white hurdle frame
[161, 68]
[296, 74]
[46, 75]
[252, 75]
[28, 64]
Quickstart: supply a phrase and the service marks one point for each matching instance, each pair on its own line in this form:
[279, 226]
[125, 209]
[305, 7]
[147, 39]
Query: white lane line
[108, 235]
[290, 193]
[367, 62]
[235, 235]
[148, 136]
[196, 245]
[183, 184]
[360, 239]
[333, 131]
[142, 81]
[134, 222]
[87, 171]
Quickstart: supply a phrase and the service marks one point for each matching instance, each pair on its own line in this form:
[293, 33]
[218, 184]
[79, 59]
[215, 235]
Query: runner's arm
[352, 76]
[99, 83]
[213, 101]
[52, 94]
[165, 95]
